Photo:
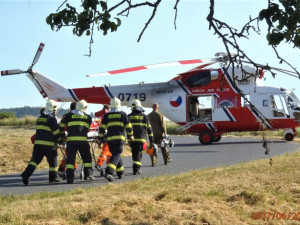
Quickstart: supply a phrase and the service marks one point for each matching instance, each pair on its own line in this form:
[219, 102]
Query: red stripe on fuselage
[92, 95]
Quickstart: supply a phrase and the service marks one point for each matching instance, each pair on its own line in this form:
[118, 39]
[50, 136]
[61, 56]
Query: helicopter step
[194, 122]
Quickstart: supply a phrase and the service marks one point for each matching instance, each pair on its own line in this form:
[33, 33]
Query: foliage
[283, 19]
[172, 128]
[5, 115]
[29, 111]
[83, 22]
[283, 16]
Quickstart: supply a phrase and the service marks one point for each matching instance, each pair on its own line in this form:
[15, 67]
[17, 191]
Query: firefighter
[78, 123]
[159, 133]
[115, 122]
[62, 165]
[141, 127]
[45, 144]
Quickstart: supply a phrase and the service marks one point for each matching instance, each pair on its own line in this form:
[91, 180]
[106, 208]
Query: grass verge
[226, 195]
[16, 149]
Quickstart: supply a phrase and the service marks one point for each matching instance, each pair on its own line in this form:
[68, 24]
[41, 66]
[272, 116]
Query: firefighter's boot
[109, 177]
[136, 169]
[70, 176]
[25, 179]
[88, 174]
[53, 177]
[27, 173]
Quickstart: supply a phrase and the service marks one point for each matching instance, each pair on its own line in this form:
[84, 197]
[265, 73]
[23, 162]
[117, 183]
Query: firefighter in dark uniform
[45, 144]
[78, 123]
[159, 133]
[115, 122]
[141, 127]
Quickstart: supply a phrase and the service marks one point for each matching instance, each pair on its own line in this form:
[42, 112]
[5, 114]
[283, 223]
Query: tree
[281, 16]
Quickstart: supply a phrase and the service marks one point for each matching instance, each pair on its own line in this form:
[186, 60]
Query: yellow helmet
[51, 106]
[115, 103]
[82, 105]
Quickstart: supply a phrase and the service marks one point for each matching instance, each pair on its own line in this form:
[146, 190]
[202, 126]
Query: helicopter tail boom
[51, 89]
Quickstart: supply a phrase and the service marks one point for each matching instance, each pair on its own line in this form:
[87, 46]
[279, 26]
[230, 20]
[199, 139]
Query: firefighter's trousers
[137, 152]
[115, 162]
[84, 149]
[39, 151]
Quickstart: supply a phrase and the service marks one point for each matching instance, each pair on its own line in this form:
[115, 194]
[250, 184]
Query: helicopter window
[200, 79]
[276, 104]
[265, 103]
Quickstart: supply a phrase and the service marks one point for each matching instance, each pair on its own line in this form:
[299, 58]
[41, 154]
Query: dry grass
[16, 150]
[228, 195]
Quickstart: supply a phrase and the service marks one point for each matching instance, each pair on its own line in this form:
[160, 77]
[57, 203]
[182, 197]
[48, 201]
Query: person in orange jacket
[105, 153]
[104, 157]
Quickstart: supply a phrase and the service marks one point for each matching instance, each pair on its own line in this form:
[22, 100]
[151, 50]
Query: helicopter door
[200, 107]
[278, 106]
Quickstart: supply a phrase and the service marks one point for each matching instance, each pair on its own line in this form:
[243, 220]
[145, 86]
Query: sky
[23, 28]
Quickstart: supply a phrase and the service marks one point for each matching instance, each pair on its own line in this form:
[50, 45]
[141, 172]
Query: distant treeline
[27, 111]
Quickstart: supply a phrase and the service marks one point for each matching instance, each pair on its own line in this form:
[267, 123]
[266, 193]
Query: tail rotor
[18, 71]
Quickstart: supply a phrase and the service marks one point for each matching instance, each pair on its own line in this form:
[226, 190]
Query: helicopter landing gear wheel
[289, 136]
[206, 137]
[217, 138]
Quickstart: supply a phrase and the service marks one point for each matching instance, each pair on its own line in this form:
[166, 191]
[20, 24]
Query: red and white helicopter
[205, 101]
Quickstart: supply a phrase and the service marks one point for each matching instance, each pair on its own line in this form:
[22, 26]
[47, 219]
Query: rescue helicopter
[204, 101]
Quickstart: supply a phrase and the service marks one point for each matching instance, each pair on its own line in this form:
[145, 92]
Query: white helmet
[136, 104]
[51, 106]
[82, 105]
[115, 103]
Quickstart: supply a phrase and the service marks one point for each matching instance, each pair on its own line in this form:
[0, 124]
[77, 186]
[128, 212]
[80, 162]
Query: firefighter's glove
[131, 138]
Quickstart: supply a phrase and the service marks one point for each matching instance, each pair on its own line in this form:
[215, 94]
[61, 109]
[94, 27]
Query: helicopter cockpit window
[200, 79]
[292, 102]
[276, 104]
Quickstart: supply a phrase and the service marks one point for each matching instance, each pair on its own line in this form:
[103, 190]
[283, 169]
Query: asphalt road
[187, 154]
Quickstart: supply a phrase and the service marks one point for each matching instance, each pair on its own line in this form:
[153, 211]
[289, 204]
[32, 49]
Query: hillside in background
[30, 111]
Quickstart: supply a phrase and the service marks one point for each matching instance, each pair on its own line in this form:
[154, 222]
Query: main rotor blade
[288, 72]
[152, 66]
[11, 72]
[38, 54]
